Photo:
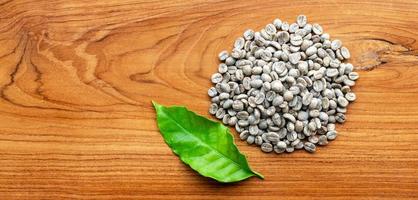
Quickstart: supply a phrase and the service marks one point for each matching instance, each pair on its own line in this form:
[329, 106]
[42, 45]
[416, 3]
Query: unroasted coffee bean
[291, 136]
[289, 117]
[283, 37]
[259, 98]
[277, 23]
[313, 139]
[345, 53]
[294, 58]
[230, 61]
[232, 121]
[258, 140]
[277, 86]
[301, 20]
[238, 105]
[212, 92]
[253, 129]
[322, 140]
[250, 139]
[223, 96]
[227, 103]
[283, 88]
[256, 83]
[296, 40]
[317, 29]
[350, 96]
[223, 55]
[342, 101]
[290, 149]
[336, 44]
[288, 95]
[213, 108]
[266, 147]
[299, 145]
[244, 135]
[331, 135]
[272, 137]
[353, 76]
[293, 28]
[309, 147]
[217, 78]
[331, 127]
[279, 149]
[332, 72]
[285, 26]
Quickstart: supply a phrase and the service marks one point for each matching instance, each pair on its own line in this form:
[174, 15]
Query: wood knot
[373, 52]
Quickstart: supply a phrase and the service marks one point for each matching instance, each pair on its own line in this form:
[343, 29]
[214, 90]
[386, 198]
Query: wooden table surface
[77, 79]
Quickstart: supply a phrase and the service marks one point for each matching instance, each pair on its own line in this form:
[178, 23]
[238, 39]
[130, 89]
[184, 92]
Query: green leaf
[206, 146]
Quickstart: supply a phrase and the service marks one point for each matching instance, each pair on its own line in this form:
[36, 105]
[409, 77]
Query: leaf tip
[260, 176]
[155, 104]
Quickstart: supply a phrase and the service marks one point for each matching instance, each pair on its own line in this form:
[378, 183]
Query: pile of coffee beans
[284, 87]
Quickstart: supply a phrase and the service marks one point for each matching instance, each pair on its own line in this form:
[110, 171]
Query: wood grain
[77, 78]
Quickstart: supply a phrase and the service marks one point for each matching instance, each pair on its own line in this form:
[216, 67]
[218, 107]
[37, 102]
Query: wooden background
[77, 79]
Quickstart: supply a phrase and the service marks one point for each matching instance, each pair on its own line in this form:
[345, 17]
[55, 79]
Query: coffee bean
[220, 113]
[301, 20]
[253, 129]
[322, 140]
[294, 58]
[342, 101]
[349, 82]
[317, 29]
[278, 23]
[223, 96]
[285, 26]
[243, 115]
[313, 139]
[216, 78]
[353, 76]
[232, 121]
[238, 105]
[239, 43]
[309, 147]
[340, 118]
[230, 61]
[272, 137]
[336, 44]
[350, 96]
[290, 149]
[288, 95]
[223, 55]
[331, 135]
[331, 72]
[289, 117]
[266, 147]
[283, 37]
[213, 108]
[257, 83]
[222, 68]
[212, 92]
[258, 140]
[259, 98]
[248, 34]
[250, 139]
[270, 95]
[311, 51]
[293, 28]
[296, 40]
[227, 103]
